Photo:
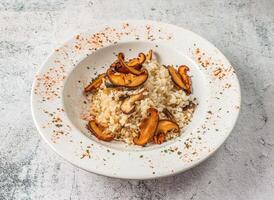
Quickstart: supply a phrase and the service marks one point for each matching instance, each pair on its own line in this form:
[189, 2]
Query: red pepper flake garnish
[201, 59]
[217, 71]
[47, 84]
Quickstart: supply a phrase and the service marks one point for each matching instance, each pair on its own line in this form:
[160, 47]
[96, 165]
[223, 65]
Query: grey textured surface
[241, 169]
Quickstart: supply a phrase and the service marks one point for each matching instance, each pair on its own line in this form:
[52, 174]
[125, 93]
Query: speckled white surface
[241, 169]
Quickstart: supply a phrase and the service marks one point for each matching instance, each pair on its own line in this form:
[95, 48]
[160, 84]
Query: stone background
[242, 168]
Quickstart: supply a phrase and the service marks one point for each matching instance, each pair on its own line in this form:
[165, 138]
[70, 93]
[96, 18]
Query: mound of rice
[104, 104]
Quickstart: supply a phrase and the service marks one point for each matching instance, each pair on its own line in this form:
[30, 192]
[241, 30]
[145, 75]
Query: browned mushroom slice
[176, 78]
[128, 104]
[165, 126]
[132, 66]
[182, 70]
[133, 62]
[149, 55]
[137, 61]
[116, 79]
[95, 83]
[131, 70]
[141, 58]
[148, 127]
[168, 114]
[98, 131]
[126, 80]
[116, 64]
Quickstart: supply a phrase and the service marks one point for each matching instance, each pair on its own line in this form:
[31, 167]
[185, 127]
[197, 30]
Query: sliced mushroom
[98, 131]
[133, 62]
[148, 127]
[131, 70]
[165, 126]
[168, 114]
[128, 104]
[117, 65]
[95, 83]
[141, 58]
[137, 61]
[149, 55]
[182, 70]
[132, 66]
[176, 78]
[126, 80]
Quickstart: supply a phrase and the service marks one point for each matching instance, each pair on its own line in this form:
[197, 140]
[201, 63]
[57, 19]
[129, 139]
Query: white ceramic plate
[57, 99]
